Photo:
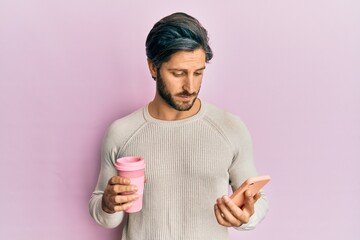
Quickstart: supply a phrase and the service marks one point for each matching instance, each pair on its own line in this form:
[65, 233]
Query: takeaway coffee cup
[133, 168]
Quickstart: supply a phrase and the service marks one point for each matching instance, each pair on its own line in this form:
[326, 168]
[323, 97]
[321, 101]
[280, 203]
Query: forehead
[187, 59]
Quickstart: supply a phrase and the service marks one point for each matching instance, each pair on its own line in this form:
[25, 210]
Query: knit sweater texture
[189, 164]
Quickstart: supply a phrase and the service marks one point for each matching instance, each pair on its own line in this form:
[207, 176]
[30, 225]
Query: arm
[242, 167]
[107, 204]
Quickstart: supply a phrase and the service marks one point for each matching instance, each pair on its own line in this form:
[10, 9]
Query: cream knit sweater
[189, 164]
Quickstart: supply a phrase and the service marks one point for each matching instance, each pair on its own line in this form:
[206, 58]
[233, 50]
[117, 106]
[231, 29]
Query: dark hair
[174, 33]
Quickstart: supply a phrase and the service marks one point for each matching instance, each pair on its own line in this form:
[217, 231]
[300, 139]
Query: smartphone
[254, 184]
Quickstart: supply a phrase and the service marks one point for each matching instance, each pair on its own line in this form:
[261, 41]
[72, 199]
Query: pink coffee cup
[133, 168]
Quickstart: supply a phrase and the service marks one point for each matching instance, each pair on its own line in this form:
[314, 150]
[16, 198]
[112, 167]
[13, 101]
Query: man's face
[179, 79]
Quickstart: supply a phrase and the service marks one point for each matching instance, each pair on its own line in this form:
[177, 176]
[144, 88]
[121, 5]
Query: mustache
[187, 94]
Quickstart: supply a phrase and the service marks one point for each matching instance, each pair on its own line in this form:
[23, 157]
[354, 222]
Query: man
[193, 150]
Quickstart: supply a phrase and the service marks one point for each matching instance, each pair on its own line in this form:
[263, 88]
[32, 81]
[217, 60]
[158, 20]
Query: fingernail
[134, 188]
[226, 198]
[216, 207]
[218, 200]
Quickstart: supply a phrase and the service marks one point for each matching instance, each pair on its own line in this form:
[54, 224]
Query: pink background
[289, 69]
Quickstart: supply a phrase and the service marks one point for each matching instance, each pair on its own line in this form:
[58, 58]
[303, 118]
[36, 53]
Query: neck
[159, 109]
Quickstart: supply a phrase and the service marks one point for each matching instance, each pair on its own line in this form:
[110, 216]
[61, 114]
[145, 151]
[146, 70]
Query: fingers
[118, 203]
[123, 189]
[119, 180]
[120, 199]
[231, 213]
[122, 180]
[123, 202]
[257, 196]
[120, 185]
[249, 203]
[123, 207]
[220, 217]
[118, 194]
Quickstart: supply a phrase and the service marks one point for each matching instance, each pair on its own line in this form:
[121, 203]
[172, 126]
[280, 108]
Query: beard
[169, 99]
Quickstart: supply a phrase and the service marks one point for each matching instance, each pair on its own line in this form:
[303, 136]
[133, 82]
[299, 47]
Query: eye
[198, 73]
[178, 74]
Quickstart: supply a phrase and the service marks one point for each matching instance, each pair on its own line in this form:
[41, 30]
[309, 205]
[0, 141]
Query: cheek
[198, 83]
[171, 83]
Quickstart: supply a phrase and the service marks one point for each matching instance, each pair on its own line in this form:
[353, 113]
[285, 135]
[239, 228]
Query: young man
[193, 150]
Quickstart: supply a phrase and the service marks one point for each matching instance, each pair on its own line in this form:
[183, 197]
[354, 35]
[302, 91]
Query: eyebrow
[180, 69]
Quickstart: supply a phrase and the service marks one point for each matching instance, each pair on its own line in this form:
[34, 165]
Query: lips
[186, 97]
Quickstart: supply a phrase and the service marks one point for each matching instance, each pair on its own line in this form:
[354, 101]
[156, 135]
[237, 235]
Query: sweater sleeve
[243, 167]
[107, 170]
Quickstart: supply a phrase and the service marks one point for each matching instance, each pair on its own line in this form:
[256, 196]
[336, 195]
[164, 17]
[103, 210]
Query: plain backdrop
[290, 69]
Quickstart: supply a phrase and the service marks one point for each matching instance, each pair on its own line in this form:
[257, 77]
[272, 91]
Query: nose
[189, 85]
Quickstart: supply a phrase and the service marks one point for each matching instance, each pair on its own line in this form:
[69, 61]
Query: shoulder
[122, 129]
[133, 120]
[228, 124]
[224, 119]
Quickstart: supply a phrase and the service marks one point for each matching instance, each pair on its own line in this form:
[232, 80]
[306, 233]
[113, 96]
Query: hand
[228, 214]
[114, 199]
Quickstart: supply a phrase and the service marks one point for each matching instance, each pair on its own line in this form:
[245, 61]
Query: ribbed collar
[193, 118]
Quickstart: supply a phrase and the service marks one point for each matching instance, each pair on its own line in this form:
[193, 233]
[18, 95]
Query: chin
[185, 107]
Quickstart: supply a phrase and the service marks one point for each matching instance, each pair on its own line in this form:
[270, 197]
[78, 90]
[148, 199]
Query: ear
[152, 68]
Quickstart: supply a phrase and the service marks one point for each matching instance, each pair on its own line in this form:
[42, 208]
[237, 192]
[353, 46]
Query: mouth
[186, 94]
[186, 98]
